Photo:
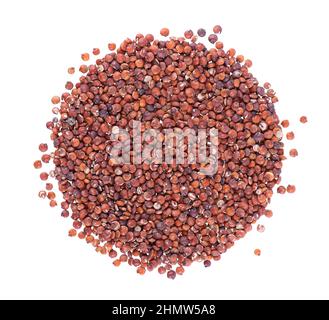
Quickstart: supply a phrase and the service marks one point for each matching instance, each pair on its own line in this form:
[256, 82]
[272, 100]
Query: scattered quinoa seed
[42, 194]
[282, 189]
[201, 32]
[188, 34]
[55, 100]
[85, 56]
[37, 164]
[71, 70]
[293, 153]
[212, 38]
[217, 29]
[72, 233]
[53, 203]
[257, 252]
[49, 186]
[207, 263]
[96, 51]
[285, 123]
[111, 46]
[268, 213]
[44, 176]
[290, 135]
[171, 274]
[291, 188]
[260, 228]
[164, 32]
[43, 147]
[303, 119]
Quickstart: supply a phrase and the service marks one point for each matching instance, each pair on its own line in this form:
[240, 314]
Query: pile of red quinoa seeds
[155, 215]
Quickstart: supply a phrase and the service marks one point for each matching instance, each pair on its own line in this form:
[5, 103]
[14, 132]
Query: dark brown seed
[171, 274]
[212, 38]
[207, 263]
[201, 32]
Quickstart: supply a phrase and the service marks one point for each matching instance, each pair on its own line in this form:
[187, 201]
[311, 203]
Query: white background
[288, 43]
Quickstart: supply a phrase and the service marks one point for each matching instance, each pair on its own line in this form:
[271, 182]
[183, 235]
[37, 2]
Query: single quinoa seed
[290, 135]
[96, 51]
[51, 195]
[141, 270]
[112, 46]
[260, 228]
[49, 186]
[217, 29]
[257, 252]
[303, 119]
[188, 34]
[69, 85]
[52, 203]
[37, 164]
[43, 147]
[72, 233]
[45, 158]
[55, 100]
[268, 213]
[293, 153]
[85, 56]
[285, 123]
[180, 270]
[201, 32]
[291, 188]
[42, 194]
[162, 270]
[281, 189]
[116, 262]
[83, 68]
[207, 263]
[71, 70]
[171, 274]
[212, 38]
[164, 32]
[44, 176]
